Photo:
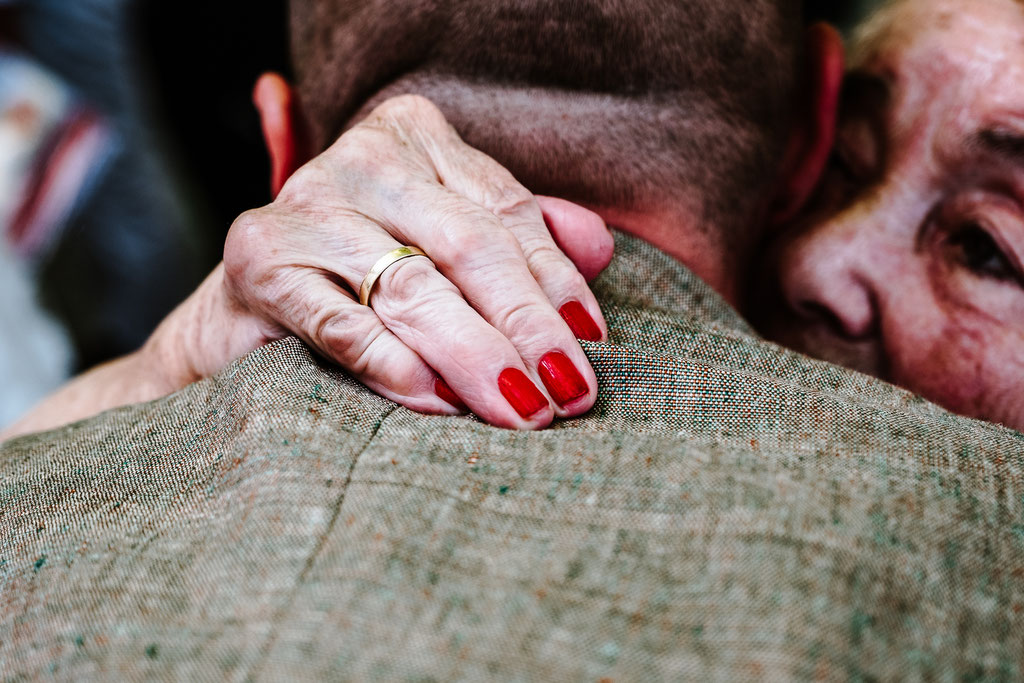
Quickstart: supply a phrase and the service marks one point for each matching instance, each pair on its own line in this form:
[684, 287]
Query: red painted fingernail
[580, 322]
[563, 380]
[521, 393]
[446, 394]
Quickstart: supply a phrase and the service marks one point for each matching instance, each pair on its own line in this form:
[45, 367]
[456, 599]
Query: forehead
[968, 50]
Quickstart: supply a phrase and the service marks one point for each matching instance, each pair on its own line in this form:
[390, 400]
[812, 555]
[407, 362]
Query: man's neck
[683, 240]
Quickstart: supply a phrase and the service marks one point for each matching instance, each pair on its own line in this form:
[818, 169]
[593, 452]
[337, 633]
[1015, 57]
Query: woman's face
[909, 264]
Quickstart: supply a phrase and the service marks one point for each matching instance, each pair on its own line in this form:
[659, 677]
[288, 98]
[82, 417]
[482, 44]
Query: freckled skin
[909, 264]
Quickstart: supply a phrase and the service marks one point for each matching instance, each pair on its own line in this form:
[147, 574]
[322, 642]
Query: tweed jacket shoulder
[728, 510]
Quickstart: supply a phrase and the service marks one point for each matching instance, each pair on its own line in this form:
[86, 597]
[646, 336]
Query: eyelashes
[971, 246]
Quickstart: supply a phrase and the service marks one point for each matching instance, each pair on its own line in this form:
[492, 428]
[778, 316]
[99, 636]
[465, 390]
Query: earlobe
[282, 124]
[811, 141]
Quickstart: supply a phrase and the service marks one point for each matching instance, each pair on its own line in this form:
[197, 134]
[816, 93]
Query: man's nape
[665, 117]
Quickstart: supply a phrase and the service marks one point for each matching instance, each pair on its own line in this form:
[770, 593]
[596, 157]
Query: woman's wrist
[199, 338]
[202, 336]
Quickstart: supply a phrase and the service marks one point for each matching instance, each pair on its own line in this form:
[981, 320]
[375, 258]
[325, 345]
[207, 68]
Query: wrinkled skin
[489, 302]
[909, 265]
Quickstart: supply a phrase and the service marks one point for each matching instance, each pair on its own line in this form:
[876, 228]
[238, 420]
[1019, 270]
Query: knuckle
[407, 285]
[510, 199]
[250, 226]
[256, 265]
[468, 234]
[304, 186]
[406, 109]
[544, 253]
[523, 319]
[575, 283]
[346, 336]
[552, 268]
[408, 118]
[404, 375]
[246, 239]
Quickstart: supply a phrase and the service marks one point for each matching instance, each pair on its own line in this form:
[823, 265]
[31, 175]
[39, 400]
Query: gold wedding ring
[389, 259]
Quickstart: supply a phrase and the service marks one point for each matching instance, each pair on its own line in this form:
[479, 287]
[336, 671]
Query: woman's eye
[974, 248]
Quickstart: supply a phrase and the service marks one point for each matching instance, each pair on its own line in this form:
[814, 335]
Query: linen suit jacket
[728, 510]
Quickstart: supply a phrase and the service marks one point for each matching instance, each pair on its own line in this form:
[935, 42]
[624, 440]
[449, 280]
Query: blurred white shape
[51, 148]
[35, 353]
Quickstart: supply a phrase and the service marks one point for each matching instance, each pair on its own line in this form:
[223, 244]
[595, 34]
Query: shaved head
[627, 104]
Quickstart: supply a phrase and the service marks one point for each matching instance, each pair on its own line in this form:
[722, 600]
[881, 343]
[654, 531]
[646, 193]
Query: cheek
[971, 367]
[960, 354]
[946, 368]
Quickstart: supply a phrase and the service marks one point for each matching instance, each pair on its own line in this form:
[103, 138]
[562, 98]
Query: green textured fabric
[729, 510]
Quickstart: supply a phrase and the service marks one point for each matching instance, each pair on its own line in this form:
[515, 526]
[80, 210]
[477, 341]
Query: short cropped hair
[607, 102]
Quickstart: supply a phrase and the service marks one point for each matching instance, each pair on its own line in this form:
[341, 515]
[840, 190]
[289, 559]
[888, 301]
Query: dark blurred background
[203, 59]
[842, 13]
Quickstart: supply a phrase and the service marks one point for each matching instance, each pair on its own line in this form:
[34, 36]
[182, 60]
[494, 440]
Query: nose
[826, 277]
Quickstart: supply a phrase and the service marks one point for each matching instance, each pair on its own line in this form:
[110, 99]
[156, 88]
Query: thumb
[580, 233]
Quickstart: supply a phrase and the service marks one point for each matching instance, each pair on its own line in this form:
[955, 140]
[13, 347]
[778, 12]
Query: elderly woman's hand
[489, 321]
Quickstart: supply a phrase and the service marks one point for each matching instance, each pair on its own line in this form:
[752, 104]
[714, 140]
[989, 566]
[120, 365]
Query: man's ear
[810, 142]
[283, 128]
